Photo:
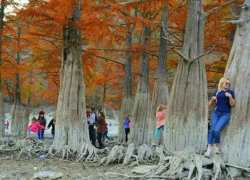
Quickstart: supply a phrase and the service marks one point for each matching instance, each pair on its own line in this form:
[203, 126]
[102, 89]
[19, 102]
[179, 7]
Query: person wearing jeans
[160, 121]
[100, 129]
[33, 128]
[224, 99]
[42, 121]
[105, 134]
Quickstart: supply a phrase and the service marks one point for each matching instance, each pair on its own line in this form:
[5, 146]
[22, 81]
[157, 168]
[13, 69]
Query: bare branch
[152, 54]
[182, 55]
[239, 21]
[208, 13]
[203, 54]
[105, 58]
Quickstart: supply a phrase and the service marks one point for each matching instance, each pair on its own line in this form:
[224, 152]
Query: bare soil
[23, 169]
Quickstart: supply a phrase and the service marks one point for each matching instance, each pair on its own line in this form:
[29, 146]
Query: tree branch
[108, 59]
[238, 22]
[203, 54]
[208, 13]
[152, 54]
[182, 55]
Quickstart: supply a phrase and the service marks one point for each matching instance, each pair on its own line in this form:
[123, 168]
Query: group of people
[98, 127]
[38, 125]
[223, 99]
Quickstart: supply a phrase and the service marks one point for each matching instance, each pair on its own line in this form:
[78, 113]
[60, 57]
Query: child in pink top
[160, 120]
[33, 129]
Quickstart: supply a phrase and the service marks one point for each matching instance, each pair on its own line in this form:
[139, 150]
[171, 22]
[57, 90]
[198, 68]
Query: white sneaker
[154, 143]
[216, 150]
[208, 153]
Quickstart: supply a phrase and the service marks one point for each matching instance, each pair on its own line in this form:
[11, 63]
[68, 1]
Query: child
[105, 134]
[33, 129]
[52, 123]
[160, 121]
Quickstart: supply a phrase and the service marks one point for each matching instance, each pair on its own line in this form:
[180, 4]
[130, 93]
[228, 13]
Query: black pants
[127, 130]
[99, 139]
[92, 135]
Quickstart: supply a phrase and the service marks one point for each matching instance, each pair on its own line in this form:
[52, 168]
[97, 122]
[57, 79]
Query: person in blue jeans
[41, 119]
[223, 100]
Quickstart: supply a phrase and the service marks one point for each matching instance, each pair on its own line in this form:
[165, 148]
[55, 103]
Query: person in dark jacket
[52, 124]
[100, 129]
[41, 119]
[92, 122]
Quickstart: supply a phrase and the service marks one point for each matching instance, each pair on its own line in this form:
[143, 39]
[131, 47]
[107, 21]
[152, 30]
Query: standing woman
[100, 128]
[41, 119]
[160, 121]
[127, 127]
[224, 100]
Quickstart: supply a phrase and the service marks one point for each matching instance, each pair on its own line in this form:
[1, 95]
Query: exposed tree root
[88, 152]
[186, 164]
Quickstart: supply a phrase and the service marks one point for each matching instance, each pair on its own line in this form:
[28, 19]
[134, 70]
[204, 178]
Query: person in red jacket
[33, 129]
[7, 124]
[105, 134]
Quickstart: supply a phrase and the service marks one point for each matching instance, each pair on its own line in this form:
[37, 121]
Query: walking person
[100, 129]
[92, 121]
[127, 127]
[160, 121]
[223, 99]
[41, 119]
[52, 124]
[33, 128]
[106, 130]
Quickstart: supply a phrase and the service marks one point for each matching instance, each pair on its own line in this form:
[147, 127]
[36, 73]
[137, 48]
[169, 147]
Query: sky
[10, 9]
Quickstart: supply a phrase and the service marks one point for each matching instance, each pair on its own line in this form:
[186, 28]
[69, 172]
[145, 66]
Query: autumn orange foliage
[104, 28]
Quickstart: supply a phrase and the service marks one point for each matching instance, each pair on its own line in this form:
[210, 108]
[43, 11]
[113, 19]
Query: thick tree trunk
[139, 130]
[17, 108]
[25, 120]
[160, 95]
[104, 99]
[186, 122]
[17, 113]
[235, 143]
[2, 112]
[127, 101]
[71, 127]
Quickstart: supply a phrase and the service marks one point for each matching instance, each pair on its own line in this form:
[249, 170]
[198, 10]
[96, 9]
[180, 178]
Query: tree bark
[2, 112]
[235, 143]
[186, 122]
[104, 98]
[160, 95]
[71, 127]
[17, 112]
[17, 108]
[26, 112]
[127, 100]
[139, 130]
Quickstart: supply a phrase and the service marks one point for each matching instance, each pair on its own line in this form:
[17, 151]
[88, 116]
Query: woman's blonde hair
[222, 80]
[160, 108]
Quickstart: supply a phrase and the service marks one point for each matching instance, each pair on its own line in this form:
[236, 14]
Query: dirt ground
[23, 169]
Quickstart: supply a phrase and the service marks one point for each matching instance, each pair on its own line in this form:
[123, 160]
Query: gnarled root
[129, 154]
[88, 152]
